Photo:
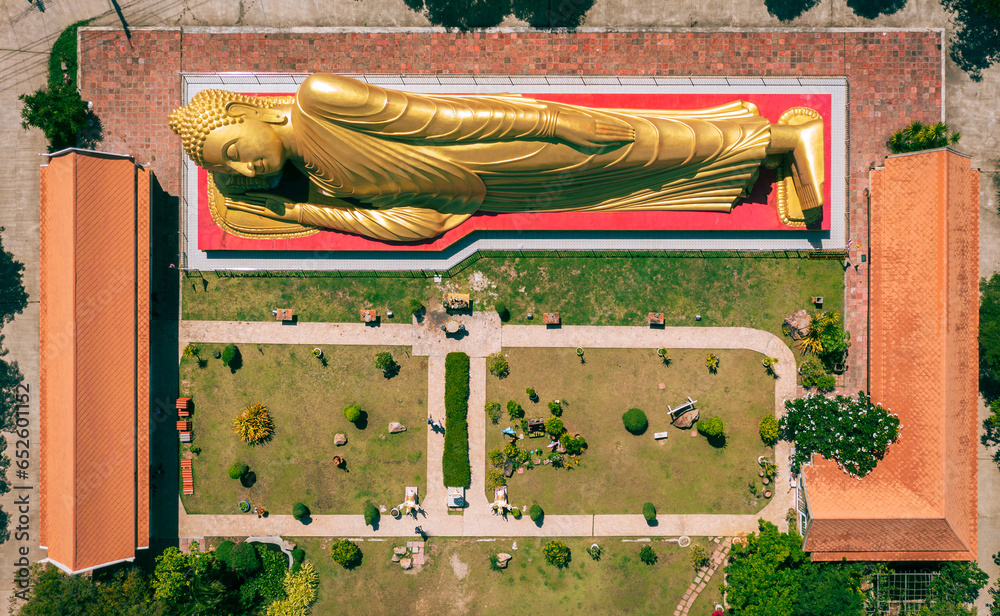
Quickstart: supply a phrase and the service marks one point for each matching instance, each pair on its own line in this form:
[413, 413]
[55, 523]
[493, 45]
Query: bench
[550, 318]
[187, 474]
[680, 410]
[660, 435]
[185, 437]
[184, 426]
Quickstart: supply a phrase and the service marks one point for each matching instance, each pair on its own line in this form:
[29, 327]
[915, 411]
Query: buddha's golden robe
[401, 166]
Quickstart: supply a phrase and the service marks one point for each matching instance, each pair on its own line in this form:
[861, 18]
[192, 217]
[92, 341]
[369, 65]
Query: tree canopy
[13, 298]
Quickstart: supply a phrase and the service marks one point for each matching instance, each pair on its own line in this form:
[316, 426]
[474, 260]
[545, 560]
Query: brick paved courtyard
[895, 77]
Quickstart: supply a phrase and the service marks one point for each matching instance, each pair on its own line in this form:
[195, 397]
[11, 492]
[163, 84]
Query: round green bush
[557, 553]
[352, 413]
[298, 555]
[514, 410]
[244, 559]
[236, 471]
[647, 555]
[536, 513]
[554, 426]
[649, 512]
[516, 513]
[769, 429]
[635, 421]
[372, 515]
[555, 408]
[224, 551]
[299, 511]
[229, 353]
[502, 311]
[493, 411]
[530, 392]
[711, 428]
[345, 553]
[497, 364]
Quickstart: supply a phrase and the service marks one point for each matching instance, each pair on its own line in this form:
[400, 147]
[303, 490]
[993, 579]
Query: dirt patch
[478, 281]
[461, 569]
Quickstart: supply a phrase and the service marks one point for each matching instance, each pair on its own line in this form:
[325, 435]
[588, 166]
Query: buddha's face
[250, 148]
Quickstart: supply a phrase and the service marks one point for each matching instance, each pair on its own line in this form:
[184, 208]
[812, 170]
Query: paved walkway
[477, 519]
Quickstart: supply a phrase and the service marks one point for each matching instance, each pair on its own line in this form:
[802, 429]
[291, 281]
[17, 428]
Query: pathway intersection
[486, 335]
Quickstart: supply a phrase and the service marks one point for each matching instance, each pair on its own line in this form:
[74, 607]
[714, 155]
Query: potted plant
[317, 352]
[662, 353]
[531, 394]
[244, 507]
[767, 494]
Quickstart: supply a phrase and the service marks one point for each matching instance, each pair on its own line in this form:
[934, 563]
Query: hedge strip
[455, 462]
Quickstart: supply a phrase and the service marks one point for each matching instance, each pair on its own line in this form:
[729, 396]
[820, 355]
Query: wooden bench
[660, 435]
[183, 426]
[187, 475]
[184, 407]
[680, 410]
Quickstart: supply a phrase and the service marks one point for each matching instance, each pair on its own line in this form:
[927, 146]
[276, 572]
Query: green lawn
[619, 472]
[585, 290]
[306, 400]
[456, 579]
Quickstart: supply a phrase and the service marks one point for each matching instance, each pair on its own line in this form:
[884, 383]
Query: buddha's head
[232, 133]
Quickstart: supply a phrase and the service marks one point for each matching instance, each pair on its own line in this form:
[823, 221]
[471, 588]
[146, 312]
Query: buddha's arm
[454, 119]
[401, 224]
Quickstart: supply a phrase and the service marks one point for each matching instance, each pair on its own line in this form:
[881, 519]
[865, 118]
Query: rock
[406, 563]
[287, 545]
[547, 461]
[395, 558]
[798, 324]
[508, 468]
[537, 462]
[396, 427]
[503, 557]
[399, 551]
[340, 439]
[687, 419]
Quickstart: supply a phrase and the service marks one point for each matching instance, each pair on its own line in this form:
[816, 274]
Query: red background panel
[757, 213]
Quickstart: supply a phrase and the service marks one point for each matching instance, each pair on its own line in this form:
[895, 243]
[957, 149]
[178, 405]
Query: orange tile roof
[94, 398]
[923, 329]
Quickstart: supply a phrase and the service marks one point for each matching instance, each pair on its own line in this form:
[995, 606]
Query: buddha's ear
[271, 116]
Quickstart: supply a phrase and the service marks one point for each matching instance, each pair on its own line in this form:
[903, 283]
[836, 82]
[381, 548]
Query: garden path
[478, 519]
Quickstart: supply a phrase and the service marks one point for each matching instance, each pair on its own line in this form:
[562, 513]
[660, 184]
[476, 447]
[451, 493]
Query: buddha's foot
[807, 157]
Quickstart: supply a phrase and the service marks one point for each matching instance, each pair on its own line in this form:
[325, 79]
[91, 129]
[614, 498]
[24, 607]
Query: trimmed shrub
[555, 408]
[516, 513]
[236, 471]
[495, 478]
[299, 511]
[298, 556]
[372, 515]
[496, 458]
[635, 421]
[346, 553]
[531, 393]
[502, 311]
[244, 560]
[414, 305]
[254, 424]
[649, 512]
[711, 428]
[647, 555]
[493, 411]
[825, 382]
[224, 550]
[557, 554]
[769, 430]
[535, 513]
[514, 410]
[699, 557]
[455, 460]
[573, 445]
[497, 365]
[352, 413]
[554, 426]
[229, 354]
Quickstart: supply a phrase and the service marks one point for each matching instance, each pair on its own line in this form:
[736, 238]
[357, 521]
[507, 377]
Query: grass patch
[457, 579]
[455, 460]
[755, 293]
[619, 472]
[306, 400]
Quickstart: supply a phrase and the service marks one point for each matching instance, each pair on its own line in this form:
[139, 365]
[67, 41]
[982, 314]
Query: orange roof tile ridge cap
[74, 337]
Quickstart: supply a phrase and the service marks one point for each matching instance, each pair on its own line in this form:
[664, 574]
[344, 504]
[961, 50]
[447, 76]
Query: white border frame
[286, 83]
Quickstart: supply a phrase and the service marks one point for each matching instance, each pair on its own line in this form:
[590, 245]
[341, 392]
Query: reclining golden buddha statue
[396, 166]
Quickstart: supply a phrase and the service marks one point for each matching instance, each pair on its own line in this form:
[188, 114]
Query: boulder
[340, 439]
[399, 551]
[686, 420]
[406, 563]
[395, 558]
[508, 468]
[798, 324]
[287, 545]
[503, 557]
[396, 427]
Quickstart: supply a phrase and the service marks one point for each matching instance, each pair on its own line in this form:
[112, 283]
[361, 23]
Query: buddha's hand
[587, 131]
[269, 206]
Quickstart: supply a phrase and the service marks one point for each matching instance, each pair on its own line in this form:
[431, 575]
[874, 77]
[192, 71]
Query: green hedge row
[455, 462]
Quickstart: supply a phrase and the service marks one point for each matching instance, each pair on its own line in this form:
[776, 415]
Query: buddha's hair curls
[207, 112]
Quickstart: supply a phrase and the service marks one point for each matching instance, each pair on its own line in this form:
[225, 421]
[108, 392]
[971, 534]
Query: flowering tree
[854, 433]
